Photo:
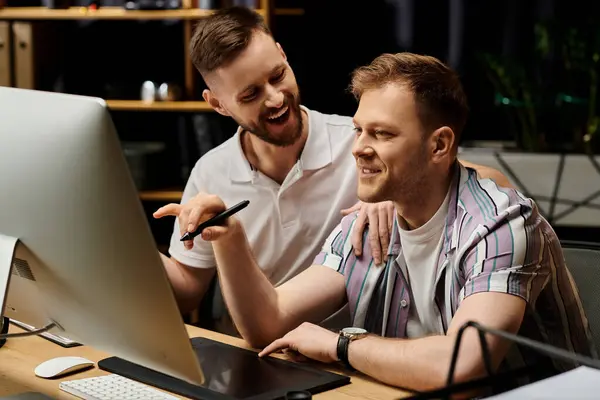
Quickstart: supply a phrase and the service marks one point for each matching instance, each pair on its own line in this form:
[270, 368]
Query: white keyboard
[112, 387]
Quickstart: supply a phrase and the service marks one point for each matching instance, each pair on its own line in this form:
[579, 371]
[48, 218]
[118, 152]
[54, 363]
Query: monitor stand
[8, 245]
[11, 248]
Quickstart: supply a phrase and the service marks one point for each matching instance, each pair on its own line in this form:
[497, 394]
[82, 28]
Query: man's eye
[279, 76]
[249, 97]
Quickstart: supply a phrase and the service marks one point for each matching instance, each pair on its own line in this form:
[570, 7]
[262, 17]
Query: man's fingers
[384, 233]
[194, 218]
[391, 214]
[374, 235]
[168, 210]
[278, 344]
[295, 356]
[183, 220]
[214, 232]
[357, 233]
[352, 209]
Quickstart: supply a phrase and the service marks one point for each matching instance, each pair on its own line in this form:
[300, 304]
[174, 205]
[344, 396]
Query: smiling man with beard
[287, 160]
[280, 126]
[293, 164]
[462, 249]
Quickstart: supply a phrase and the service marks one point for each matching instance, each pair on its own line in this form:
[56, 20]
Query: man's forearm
[250, 297]
[188, 289]
[417, 364]
[185, 298]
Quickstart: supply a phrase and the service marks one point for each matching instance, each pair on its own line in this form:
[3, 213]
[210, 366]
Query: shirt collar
[317, 149]
[461, 174]
[315, 155]
[240, 169]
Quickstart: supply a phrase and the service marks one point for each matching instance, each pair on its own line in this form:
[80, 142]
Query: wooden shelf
[289, 11]
[161, 195]
[138, 105]
[106, 13]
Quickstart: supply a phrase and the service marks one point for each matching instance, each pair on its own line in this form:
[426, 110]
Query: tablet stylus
[216, 220]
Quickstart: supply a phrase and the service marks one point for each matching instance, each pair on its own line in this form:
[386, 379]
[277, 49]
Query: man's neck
[274, 161]
[417, 210]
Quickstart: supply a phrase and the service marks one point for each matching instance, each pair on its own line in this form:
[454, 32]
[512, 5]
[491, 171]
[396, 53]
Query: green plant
[557, 110]
[515, 92]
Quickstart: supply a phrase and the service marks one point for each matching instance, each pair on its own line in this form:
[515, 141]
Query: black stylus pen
[216, 220]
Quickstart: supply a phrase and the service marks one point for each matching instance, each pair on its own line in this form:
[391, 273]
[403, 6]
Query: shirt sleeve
[201, 255]
[337, 246]
[512, 253]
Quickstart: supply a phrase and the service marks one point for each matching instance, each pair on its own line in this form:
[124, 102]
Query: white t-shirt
[421, 248]
[286, 224]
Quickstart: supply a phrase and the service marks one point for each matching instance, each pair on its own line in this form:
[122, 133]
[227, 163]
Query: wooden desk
[20, 356]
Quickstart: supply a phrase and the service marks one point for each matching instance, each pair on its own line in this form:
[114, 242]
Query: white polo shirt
[286, 224]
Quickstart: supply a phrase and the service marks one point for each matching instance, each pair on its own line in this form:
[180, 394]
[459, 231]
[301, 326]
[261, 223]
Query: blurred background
[530, 70]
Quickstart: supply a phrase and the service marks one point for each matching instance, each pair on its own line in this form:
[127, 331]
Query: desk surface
[20, 356]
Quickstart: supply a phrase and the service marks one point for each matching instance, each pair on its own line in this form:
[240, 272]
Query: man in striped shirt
[462, 249]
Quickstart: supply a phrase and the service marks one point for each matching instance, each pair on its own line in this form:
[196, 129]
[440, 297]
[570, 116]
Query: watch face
[354, 331]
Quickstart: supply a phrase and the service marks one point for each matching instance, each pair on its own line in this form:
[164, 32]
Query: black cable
[5, 322]
[508, 170]
[578, 204]
[493, 379]
[543, 348]
[488, 381]
[557, 182]
[28, 333]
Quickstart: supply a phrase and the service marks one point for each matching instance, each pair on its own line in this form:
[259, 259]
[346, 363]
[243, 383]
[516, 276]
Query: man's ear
[210, 98]
[442, 143]
[281, 51]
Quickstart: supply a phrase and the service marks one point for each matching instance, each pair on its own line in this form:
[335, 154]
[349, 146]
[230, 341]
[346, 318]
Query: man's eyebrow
[384, 127]
[246, 89]
[377, 127]
[277, 67]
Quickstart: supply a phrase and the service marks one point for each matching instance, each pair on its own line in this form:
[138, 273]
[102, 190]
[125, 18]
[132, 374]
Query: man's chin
[370, 196]
[287, 137]
[284, 140]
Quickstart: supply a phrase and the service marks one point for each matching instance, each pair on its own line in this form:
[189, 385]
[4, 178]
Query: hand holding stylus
[204, 215]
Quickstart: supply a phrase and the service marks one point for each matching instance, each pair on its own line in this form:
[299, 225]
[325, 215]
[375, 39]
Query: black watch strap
[342, 350]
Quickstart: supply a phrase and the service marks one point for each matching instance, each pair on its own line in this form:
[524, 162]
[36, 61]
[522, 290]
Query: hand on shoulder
[484, 172]
[378, 218]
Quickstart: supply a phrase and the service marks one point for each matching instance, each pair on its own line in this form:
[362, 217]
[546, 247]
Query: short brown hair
[221, 36]
[438, 92]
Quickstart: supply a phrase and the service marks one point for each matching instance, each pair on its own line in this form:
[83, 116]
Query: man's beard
[290, 137]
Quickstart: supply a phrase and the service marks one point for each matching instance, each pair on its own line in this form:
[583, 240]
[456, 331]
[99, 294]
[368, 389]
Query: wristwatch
[348, 335]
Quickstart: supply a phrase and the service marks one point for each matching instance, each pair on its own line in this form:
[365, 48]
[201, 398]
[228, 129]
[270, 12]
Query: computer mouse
[62, 366]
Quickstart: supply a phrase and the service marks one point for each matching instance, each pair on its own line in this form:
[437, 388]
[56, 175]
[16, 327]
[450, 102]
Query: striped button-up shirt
[494, 241]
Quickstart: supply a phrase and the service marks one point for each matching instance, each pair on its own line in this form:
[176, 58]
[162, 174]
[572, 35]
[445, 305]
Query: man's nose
[360, 147]
[274, 98]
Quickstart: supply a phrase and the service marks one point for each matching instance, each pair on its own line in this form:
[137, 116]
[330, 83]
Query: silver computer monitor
[86, 258]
